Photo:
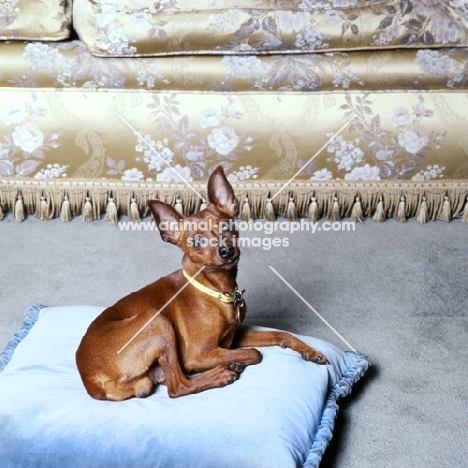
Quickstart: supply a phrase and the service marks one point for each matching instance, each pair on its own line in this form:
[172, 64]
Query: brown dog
[186, 322]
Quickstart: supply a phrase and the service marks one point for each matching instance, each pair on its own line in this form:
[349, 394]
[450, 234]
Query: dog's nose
[226, 251]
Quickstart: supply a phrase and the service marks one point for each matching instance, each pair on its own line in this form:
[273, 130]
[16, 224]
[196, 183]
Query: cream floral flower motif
[132, 175]
[364, 173]
[244, 173]
[431, 172]
[333, 17]
[223, 140]
[322, 174]
[434, 63]
[42, 57]
[168, 175]
[290, 22]
[8, 6]
[52, 171]
[12, 114]
[413, 139]
[428, 7]
[28, 137]
[309, 39]
[242, 66]
[223, 21]
[347, 153]
[141, 19]
[401, 117]
[209, 118]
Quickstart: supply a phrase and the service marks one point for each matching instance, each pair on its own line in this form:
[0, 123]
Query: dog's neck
[212, 277]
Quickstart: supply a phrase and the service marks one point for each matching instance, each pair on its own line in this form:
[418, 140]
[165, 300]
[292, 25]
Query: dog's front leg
[234, 358]
[246, 337]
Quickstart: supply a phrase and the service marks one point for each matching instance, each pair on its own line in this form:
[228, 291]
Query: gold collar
[235, 297]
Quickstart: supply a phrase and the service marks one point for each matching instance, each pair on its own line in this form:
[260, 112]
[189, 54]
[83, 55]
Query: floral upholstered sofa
[314, 108]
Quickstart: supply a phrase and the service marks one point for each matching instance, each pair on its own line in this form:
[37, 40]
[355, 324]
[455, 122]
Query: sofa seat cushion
[47, 20]
[279, 414]
[71, 65]
[114, 28]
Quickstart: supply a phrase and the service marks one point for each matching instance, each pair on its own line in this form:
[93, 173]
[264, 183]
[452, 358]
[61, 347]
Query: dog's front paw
[313, 355]
[237, 367]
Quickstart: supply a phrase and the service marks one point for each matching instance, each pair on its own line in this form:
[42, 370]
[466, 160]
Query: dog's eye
[197, 241]
[224, 226]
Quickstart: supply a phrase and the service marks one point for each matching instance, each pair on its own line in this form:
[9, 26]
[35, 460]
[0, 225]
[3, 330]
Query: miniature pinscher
[188, 322]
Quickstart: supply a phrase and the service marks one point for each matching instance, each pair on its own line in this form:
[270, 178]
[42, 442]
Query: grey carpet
[396, 292]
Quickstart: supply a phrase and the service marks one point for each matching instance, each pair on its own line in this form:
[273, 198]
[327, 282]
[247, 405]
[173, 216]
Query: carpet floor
[394, 291]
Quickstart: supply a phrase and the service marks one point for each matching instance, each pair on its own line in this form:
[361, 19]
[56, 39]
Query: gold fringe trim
[334, 200]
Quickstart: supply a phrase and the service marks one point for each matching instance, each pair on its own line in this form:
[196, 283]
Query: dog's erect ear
[221, 194]
[167, 219]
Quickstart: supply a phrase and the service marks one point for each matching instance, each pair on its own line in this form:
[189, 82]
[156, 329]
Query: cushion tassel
[379, 214]
[65, 211]
[43, 209]
[270, 214]
[423, 214]
[464, 217]
[446, 211]
[111, 212]
[246, 215]
[134, 213]
[335, 214]
[178, 206]
[401, 213]
[19, 209]
[313, 213]
[356, 212]
[87, 211]
[291, 212]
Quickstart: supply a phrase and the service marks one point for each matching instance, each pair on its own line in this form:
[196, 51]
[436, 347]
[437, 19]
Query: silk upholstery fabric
[114, 28]
[45, 20]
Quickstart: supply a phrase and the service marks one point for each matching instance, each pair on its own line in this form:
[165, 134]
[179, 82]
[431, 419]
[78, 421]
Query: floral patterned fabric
[113, 28]
[399, 135]
[47, 20]
[385, 100]
[70, 65]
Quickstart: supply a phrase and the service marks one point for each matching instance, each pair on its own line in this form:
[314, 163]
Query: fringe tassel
[356, 213]
[19, 209]
[423, 213]
[111, 212]
[246, 214]
[134, 213]
[379, 214]
[291, 212]
[269, 214]
[65, 211]
[464, 217]
[178, 206]
[2, 215]
[313, 213]
[446, 210]
[401, 214]
[87, 211]
[335, 214]
[43, 209]
[203, 205]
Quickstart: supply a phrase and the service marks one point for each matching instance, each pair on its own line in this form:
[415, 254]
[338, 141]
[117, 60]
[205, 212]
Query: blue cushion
[280, 413]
